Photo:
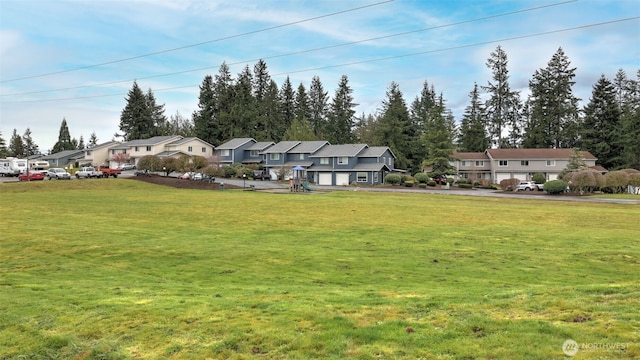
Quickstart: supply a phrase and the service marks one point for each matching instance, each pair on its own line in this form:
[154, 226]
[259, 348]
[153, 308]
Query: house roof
[170, 153]
[260, 146]
[375, 151]
[64, 154]
[105, 144]
[234, 143]
[282, 147]
[308, 147]
[371, 167]
[349, 150]
[186, 140]
[146, 142]
[470, 155]
[508, 154]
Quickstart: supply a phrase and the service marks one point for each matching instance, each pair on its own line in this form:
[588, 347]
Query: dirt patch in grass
[182, 184]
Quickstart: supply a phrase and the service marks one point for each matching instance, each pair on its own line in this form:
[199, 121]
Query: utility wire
[199, 44]
[372, 60]
[297, 52]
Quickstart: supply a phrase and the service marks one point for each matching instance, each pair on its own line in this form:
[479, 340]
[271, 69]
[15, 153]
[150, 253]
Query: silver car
[58, 174]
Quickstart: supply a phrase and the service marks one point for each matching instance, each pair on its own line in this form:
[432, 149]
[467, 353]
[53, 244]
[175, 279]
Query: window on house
[136, 149]
[375, 177]
[204, 149]
[113, 152]
[301, 157]
[478, 176]
[343, 160]
[464, 163]
[254, 153]
[551, 163]
[274, 156]
[524, 162]
[224, 152]
[464, 175]
[479, 163]
[88, 152]
[148, 148]
[324, 161]
[124, 151]
[362, 177]
[190, 148]
[503, 163]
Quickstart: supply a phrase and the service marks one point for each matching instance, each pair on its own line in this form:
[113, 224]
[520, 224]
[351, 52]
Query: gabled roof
[282, 147]
[63, 154]
[234, 143]
[371, 167]
[105, 144]
[348, 150]
[187, 140]
[532, 154]
[147, 142]
[260, 146]
[375, 151]
[170, 153]
[470, 155]
[308, 147]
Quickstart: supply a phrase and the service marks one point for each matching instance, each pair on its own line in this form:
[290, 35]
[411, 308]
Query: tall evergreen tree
[318, 105]
[244, 109]
[16, 146]
[64, 139]
[341, 114]
[81, 145]
[136, 120]
[602, 130]
[204, 117]
[553, 107]
[395, 131]
[503, 106]
[299, 130]
[472, 135]
[30, 147]
[366, 131]
[159, 123]
[422, 113]
[4, 151]
[302, 110]
[223, 99]
[93, 140]
[264, 101]
[179, 125]
[287, 105]
[439, 140]
[274, 126]
[628, 98]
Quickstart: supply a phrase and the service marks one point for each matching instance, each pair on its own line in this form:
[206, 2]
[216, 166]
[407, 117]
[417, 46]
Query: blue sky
[48, 50]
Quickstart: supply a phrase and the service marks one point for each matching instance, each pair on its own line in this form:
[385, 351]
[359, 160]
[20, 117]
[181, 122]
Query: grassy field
[118, 269]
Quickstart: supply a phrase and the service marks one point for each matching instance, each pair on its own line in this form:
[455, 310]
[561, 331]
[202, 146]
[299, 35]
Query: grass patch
[122, 269]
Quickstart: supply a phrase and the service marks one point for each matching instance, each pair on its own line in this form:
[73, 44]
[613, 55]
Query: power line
[373, 60]
[301, 51]
[199, 44]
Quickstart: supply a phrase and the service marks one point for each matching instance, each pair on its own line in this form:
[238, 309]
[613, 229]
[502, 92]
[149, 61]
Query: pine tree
[395, 131]
[136, 120]
[628, 98]
[366, 131]
[93, 140]
[553, 107]
[602, 130]
[159, 123]
[273, 124]
[243, 110]
[302, 110]
[4, 151]
[223, 98]
[64, 139]
[30, 147]
[263, 98]
[299, 130]
[16, 146]
[341, 114]
[422, 112]
[81, 145]
[204, 117]
[439, 140]
[472, 135]
[286, 99]
[318, 105]
[503, 105]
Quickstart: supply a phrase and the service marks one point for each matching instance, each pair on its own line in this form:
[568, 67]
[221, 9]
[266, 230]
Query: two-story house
[98, 154]
[162, 146]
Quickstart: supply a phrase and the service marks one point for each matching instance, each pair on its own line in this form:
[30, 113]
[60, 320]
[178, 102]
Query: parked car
[32, 176]
[261, 174]
[197, 177]
[526, 185]
[88, 172]
[185, 176]
[540, 187]
[58, 173]
[125, 167]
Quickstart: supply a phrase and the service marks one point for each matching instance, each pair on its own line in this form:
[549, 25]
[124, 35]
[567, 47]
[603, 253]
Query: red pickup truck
[107, 171]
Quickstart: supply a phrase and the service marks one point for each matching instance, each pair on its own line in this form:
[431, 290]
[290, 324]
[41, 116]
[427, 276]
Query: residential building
[162, 146]
[98, 154]
[66, 158]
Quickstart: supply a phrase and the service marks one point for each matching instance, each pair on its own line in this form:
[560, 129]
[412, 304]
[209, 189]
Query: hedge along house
[348, 163]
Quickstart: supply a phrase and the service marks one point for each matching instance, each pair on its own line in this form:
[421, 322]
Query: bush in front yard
[393, 179]
[509, 184]
[539, 178]
[422, 178]
[431, 183]
[465, 186]
[555, 187]
[616, 182]
[409, 183]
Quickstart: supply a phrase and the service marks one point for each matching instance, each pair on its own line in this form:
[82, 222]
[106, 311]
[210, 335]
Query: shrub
[465, 186]
[409, 183]
[228, 171]
[634, 179]
[150, 163]
[555, 187]
[421, 178]
[450, 180]
[431, 183]
[403, 178]
[485, 184]
[509, 184]
[582, 181]
[539, 178]
[463, 181]
[393, 179]
[616, 182]
[422, 186]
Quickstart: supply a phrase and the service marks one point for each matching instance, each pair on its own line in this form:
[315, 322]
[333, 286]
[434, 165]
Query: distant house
[66, 158]
[98, 154]
[162, 146]
[233, 151]
[499, 164]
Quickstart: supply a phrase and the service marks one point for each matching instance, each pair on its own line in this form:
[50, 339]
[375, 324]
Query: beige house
[163, 146]
[98, 154]
[500, 164]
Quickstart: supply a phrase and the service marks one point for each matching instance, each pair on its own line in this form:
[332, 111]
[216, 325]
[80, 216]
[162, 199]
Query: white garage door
[520, 177]
[342, 179]
[500, 177]
[324, 179]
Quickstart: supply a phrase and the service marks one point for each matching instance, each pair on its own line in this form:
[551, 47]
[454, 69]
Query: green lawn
[115, 268]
